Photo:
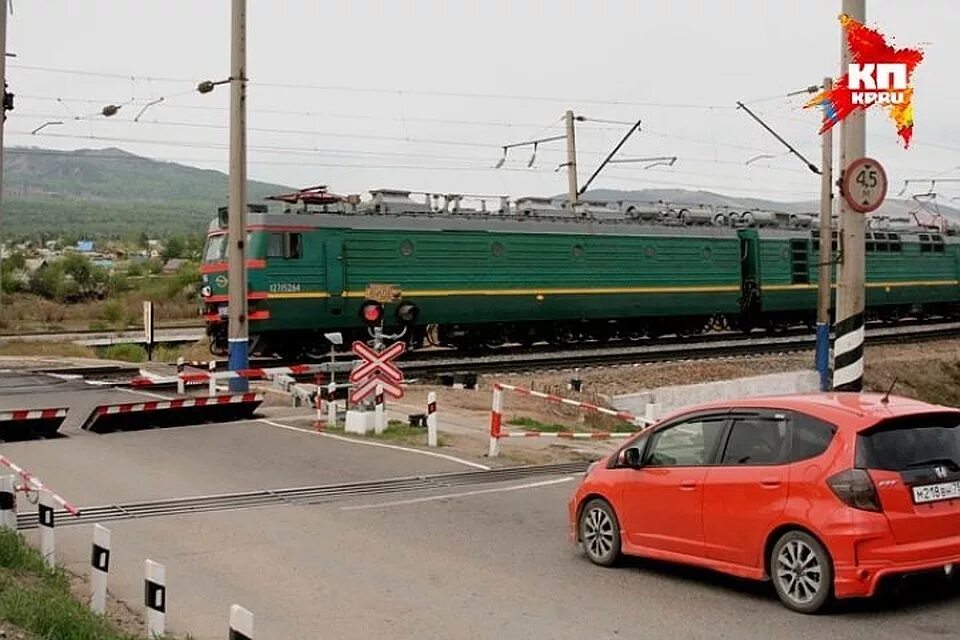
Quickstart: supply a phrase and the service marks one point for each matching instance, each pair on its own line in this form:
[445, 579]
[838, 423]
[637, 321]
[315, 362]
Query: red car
[822, 494]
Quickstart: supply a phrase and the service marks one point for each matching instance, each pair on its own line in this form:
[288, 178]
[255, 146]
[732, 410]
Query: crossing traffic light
[371, 313]
[407, 313]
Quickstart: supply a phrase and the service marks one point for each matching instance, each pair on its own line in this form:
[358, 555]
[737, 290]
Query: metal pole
[848, 348]
[571, 159]
[237, 211]
[825, 273]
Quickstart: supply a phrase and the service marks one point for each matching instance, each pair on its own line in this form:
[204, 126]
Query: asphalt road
[480, 561]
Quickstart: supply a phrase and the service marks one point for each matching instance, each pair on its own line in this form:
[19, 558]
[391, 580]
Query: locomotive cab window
[284, 245]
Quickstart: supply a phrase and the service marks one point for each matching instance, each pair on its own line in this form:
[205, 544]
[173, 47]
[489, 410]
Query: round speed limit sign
[864, 185]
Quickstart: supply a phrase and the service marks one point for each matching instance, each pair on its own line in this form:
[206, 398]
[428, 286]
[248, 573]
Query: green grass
[38, 599]
[401, 432]
[529, 424]
[125, 352]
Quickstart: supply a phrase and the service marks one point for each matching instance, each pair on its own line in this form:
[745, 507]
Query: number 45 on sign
[864, 185]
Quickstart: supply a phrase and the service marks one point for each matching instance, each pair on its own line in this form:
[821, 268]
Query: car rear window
[911, 442]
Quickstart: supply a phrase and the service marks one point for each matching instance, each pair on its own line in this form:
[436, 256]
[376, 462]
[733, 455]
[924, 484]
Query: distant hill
[110, 192]
[892, 207]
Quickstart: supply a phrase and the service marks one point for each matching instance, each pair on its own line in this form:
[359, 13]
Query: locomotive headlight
[206, 291]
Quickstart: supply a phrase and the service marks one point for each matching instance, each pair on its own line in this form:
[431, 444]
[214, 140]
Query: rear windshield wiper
[932, 462]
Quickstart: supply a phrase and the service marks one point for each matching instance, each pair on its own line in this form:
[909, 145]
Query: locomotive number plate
[382, 293]
[284, 287]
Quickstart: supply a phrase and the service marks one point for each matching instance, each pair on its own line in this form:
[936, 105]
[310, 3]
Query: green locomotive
[530, 271]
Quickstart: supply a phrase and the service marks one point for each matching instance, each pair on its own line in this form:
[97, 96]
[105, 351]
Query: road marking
[432, 454]
[462, 494]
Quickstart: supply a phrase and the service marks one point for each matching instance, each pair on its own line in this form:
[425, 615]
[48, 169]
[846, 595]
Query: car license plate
[935, 492]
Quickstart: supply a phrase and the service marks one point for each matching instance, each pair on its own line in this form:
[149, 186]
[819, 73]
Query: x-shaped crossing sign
[377, 363]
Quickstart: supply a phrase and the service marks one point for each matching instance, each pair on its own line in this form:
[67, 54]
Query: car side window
[811, 437]
[688, 444]
[757, 440]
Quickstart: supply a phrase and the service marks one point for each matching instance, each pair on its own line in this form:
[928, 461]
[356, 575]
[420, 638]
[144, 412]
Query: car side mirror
[630, 457]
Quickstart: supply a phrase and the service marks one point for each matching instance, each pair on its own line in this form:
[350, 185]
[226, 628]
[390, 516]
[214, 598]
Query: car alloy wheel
[600, 532]
[801, 571]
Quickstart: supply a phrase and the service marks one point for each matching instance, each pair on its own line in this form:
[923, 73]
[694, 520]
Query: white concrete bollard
[212, 383]
[332, 405]
[8, 502]
[45, 520]
[99, 568]
[181, 385]
[379, 415]
[431, 419]
[155, 597]
[652, 412]
[496, 421]
[241, 623]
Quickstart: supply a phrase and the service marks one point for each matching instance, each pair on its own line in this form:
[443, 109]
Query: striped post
[431, 419]
[99, 568]
[332, 404]
[212, 384]
[496, 420]
[241, 623]
[848, 354]
[652, 412]
[181, 383]
[45, 518]
[379, 416]
[8, 502]
[155, 597]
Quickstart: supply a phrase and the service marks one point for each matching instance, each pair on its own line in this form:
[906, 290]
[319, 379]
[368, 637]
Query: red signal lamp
[371, 313]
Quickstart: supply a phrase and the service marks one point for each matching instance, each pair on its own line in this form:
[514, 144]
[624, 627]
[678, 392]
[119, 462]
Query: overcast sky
[421, 94]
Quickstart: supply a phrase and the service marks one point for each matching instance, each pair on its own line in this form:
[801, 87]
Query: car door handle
[770, 483]
[688, 485]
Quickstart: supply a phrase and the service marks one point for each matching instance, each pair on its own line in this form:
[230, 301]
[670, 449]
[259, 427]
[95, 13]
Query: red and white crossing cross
[368, 386]
[377, 363]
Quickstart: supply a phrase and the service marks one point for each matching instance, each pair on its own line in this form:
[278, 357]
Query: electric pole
[848, 347]
[238, 334]
[3, 114]
[571, 159]
[825, 272]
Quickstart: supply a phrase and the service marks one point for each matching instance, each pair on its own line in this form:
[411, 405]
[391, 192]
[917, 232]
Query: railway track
[431, 364]
[318, 494]
[712, 347]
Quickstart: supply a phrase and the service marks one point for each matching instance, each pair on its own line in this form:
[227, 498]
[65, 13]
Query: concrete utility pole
[571, 159]
[825, 273]
[238, 334]
[3, 114]
[848, 347]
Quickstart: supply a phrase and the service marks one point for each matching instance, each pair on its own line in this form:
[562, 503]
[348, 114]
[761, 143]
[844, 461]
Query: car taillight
[855, 488]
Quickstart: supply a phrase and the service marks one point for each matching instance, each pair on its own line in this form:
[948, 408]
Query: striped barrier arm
[177, 403]
[35, 482]
[32, 414]
[496, 419]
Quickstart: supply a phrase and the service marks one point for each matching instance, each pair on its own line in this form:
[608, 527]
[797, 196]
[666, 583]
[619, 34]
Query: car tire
[802, 572]
[599, 532]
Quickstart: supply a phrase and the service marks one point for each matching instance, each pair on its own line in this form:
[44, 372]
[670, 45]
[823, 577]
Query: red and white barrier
[30, 479]
[211, 377]
[177, 403]
[32, 414]
[379, 411]
[496, 418]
